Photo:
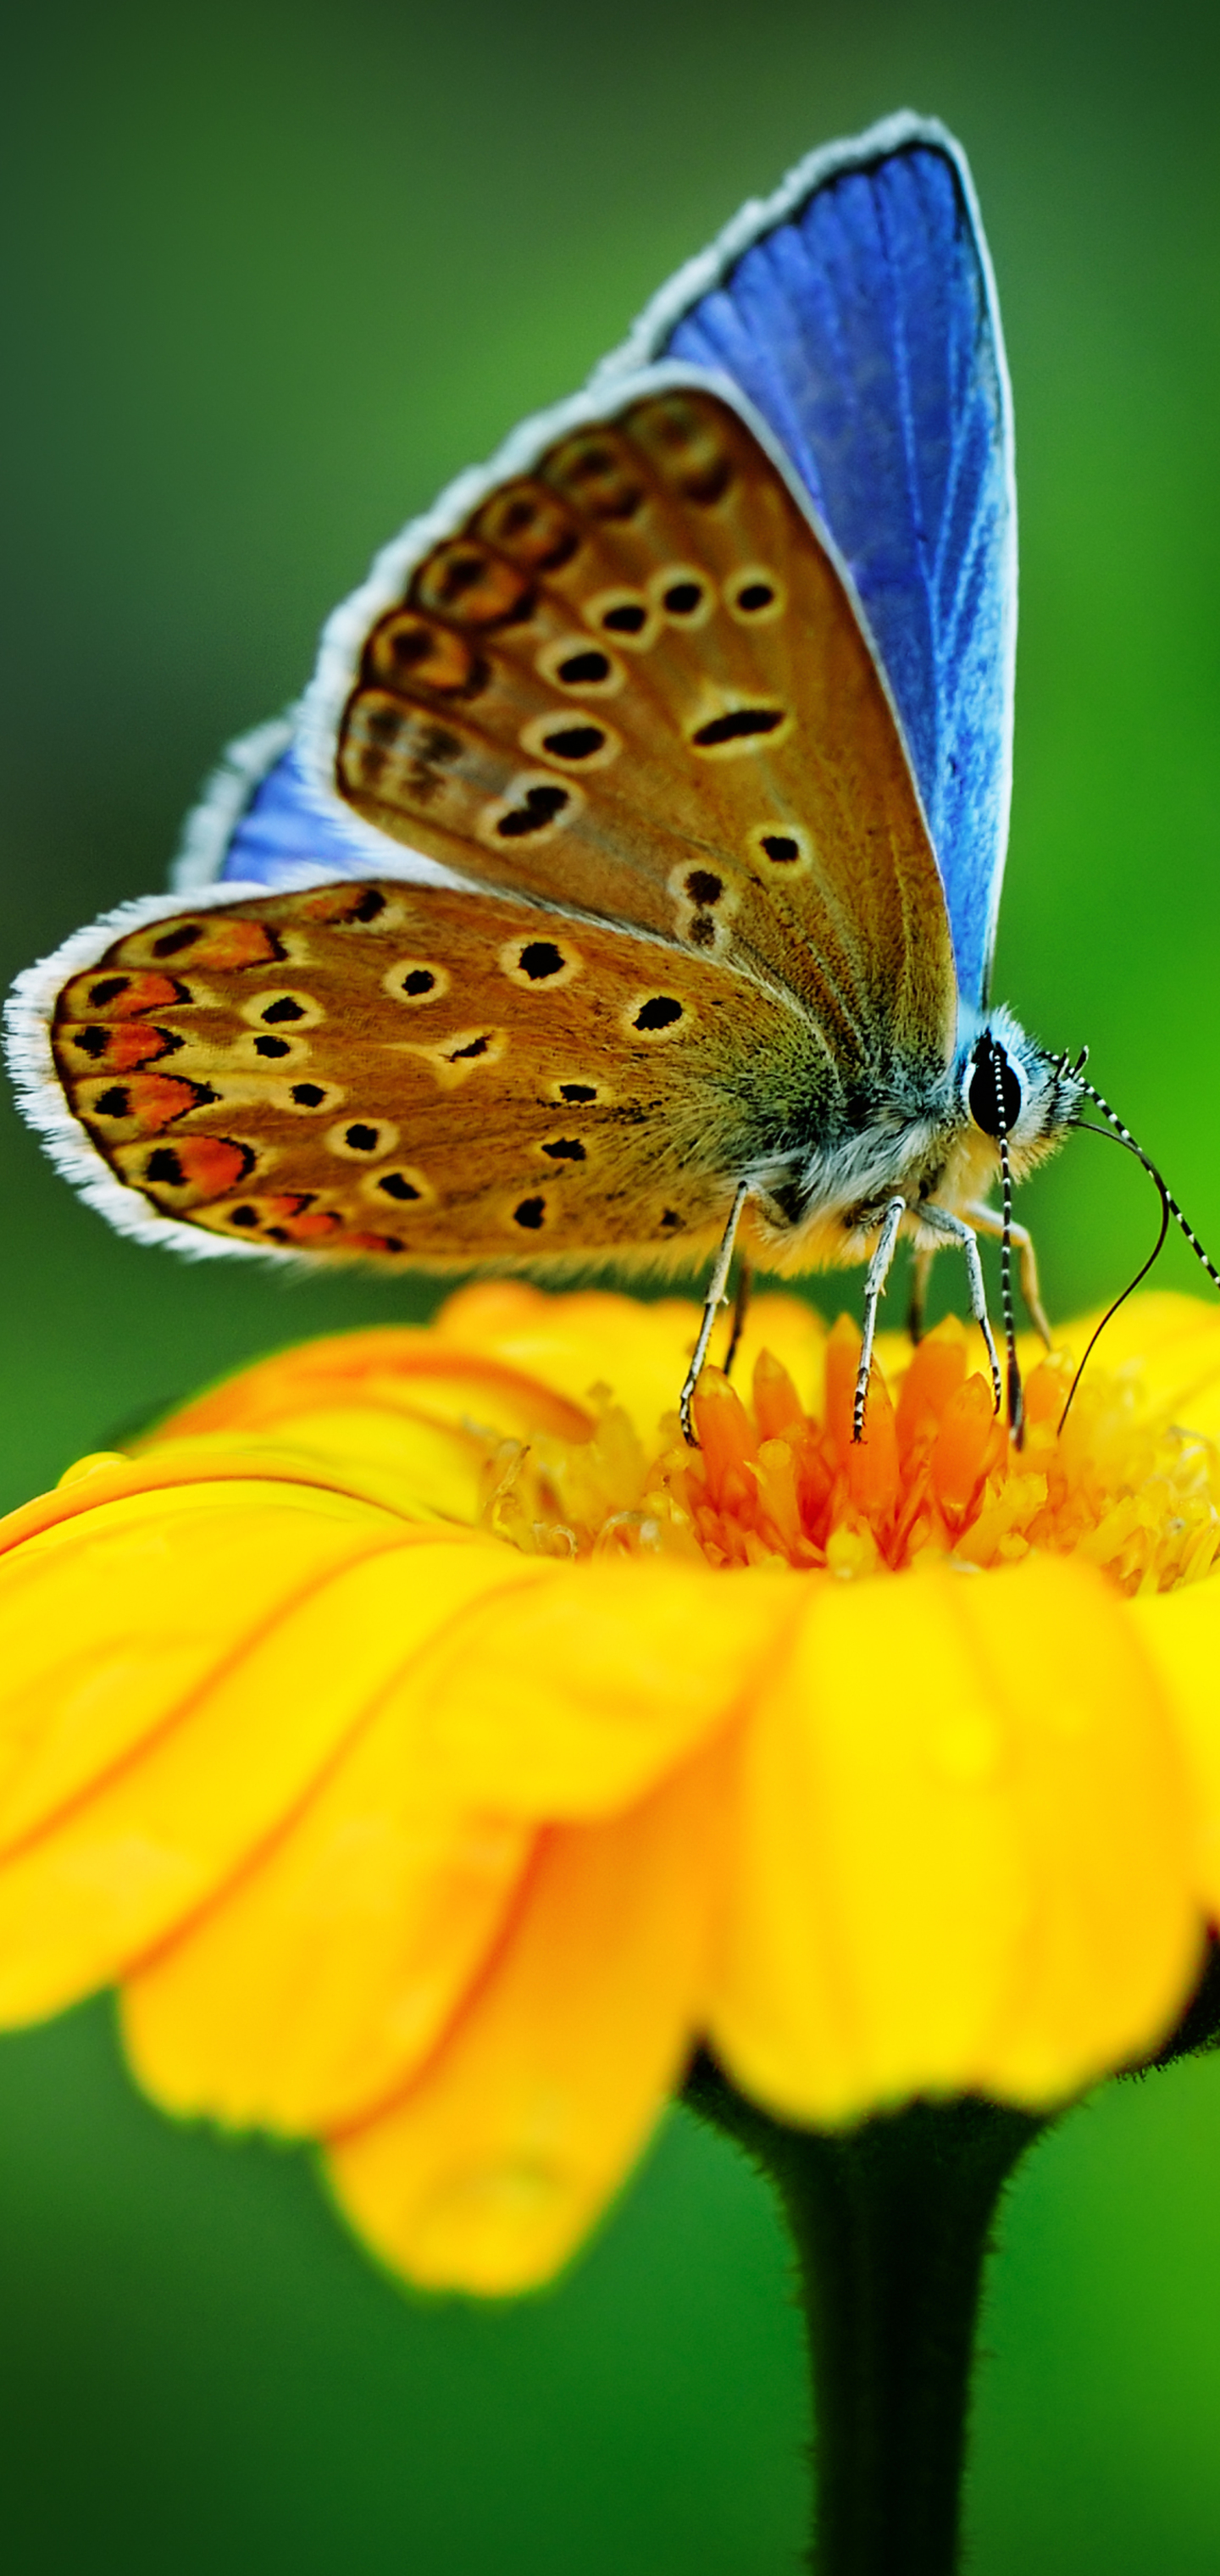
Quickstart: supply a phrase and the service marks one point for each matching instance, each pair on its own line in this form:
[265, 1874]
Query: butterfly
[624, 886]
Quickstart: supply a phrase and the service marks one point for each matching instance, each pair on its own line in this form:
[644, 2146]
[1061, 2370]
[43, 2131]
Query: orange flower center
[772, 1483]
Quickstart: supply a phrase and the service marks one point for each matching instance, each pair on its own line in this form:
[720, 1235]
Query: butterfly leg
[874, 1290]
[953, 1229]
[712, 1304]
[741, 1308]
[987, 1222]
[921, 1268]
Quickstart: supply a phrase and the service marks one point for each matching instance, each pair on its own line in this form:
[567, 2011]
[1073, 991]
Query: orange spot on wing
[154, 1100]
[201, 1168]
[108, 993]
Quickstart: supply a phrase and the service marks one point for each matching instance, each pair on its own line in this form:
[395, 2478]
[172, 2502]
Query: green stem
[891, 2224]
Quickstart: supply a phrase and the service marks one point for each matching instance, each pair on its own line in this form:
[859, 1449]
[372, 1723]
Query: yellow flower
[436, 1751]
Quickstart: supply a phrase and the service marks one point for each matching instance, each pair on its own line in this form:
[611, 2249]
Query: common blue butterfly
[624, 886]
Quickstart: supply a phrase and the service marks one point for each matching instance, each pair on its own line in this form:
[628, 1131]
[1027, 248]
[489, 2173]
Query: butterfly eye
[755, 596]
[982, 1099]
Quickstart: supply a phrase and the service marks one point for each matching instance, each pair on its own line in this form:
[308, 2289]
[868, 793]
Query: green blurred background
[274, 272]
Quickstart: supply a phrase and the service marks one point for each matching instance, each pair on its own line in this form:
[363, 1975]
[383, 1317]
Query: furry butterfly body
[628, 877]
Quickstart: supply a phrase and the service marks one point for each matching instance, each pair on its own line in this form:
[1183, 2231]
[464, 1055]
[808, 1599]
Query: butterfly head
[1011, 1090]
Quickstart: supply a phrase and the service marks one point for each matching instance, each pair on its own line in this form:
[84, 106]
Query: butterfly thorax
[915, 1136]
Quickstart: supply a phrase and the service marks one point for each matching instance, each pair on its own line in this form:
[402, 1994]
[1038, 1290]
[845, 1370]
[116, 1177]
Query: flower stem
[891, 2223]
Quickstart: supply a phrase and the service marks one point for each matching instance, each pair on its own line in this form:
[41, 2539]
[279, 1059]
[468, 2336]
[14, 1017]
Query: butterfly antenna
[1122, 1135]
[1167, 1197]
[1016, 1398]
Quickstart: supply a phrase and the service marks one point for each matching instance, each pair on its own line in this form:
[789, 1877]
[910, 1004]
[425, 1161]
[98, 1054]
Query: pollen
[775, 1481]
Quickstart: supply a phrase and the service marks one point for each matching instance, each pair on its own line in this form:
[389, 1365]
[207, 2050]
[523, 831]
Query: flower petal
[1181, 1632]
[965, 1848]
[1171, 1346]
[592, 1338]
[316, 1983]
[231, 1731]
[571, 1697]
[394, 1413]
[490, 2169]
[116, 1615]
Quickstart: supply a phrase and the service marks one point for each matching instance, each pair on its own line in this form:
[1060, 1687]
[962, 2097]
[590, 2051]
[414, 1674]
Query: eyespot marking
[538, 811]
[530, 1213]
[411, 651]
[683, 594]
[533, 963]
[565, 1149]
[465, 581]
[345, 907]
[625, 614]
[526, 522]
[201, 1167]
[785, 847]
[290, 1010]
[575, 740]
[359, 1138]
[120, 997]
[148, 1102]
[230, 944]
[703, 886]
[582, 667]
[464, 1051]
[598, 474]
[739, 729]
[575, 1091]
[407, 1187]
[309, 1095]
[416, 980]
[755, 595]
[654, 1014]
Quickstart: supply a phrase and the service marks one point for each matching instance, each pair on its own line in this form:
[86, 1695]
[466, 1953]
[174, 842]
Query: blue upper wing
[858, 314]
[260, 822]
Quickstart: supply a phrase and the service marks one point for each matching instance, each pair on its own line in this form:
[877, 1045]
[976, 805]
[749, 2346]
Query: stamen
[775, 1482]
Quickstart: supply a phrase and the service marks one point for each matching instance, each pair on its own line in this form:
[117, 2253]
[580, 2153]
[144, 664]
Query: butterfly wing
[631, 681]
[383, 1070]
[857, 312]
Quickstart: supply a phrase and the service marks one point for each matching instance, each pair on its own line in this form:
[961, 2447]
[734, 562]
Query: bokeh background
[274, 271]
